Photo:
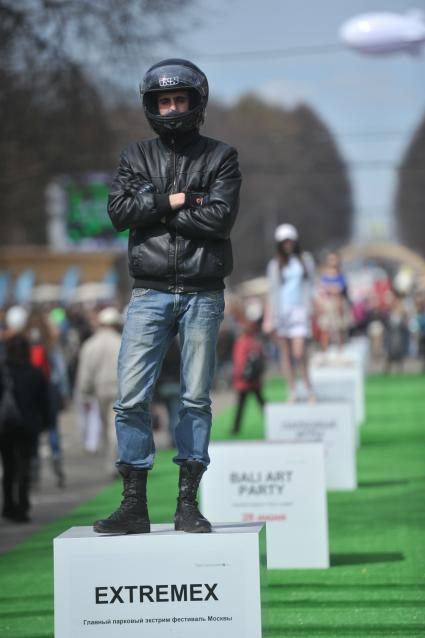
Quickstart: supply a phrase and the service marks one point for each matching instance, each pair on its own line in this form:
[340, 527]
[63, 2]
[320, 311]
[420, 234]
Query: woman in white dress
[288, 315]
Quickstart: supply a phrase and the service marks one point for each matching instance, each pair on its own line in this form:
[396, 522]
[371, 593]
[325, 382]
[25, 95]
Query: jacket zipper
[174, 190]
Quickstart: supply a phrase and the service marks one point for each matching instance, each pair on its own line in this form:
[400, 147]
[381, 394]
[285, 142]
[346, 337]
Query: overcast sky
[372, 104]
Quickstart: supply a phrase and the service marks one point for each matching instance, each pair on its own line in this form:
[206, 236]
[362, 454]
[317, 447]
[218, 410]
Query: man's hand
[177, 200]
[193, 200]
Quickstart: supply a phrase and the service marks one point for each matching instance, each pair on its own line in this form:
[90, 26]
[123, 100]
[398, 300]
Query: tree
[56, 58]
[410, 199]
[293, 172]
[54, 33]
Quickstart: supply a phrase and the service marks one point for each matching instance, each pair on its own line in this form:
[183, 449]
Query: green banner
[87, 220]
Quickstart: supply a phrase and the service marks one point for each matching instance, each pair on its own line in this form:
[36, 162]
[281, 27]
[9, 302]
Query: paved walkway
[85, 474]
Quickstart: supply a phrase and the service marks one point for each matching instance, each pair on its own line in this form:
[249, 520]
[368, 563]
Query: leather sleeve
[215, 219]
[128, 205]
[42, 398]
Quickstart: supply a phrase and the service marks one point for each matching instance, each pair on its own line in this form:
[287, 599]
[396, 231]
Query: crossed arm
[134, 204]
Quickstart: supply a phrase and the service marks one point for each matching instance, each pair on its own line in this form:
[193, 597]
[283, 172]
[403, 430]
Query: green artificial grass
[376, 583]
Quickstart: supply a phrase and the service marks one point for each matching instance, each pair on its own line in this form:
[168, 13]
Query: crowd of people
[311, 307]
[50, 358]
[54, 356]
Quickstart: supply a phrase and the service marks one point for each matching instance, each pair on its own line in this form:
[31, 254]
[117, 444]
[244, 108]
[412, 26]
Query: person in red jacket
[248, 368]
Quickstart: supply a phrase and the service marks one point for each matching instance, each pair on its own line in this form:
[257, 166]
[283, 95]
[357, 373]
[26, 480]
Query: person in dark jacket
[178, 195]
[31, 395]
[248, 369]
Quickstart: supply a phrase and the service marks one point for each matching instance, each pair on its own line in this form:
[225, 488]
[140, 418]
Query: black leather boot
[132, 515]
[188, 518]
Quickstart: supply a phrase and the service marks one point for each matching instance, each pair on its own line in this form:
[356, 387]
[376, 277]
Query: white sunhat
[16, 318]
[109, 317]
[285, 231]
[254, 310]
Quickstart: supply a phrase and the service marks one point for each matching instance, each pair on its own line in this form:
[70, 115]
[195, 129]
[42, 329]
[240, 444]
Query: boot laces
[190, 505]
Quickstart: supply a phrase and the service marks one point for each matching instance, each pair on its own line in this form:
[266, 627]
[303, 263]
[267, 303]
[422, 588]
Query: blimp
[385, 33]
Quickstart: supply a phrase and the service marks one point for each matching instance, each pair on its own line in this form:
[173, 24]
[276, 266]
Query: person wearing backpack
[29, 390]
[248, 368]
[46, 355]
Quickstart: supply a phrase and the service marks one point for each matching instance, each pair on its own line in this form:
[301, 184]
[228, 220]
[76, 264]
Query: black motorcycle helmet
[171, 75]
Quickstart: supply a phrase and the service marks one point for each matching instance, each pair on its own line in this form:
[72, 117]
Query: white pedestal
[331, 423]
[280, 484]
[354, 352]
[340, 383]
[161, 584]
[358, 349]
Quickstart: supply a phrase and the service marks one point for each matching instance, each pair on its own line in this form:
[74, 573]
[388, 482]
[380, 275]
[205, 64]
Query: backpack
[40, 359]
[254, 366]
[10, 416]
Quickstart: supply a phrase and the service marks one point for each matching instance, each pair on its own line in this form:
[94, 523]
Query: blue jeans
[153, 320]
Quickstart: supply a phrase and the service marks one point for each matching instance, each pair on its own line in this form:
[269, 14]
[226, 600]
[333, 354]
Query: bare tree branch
[54, 118]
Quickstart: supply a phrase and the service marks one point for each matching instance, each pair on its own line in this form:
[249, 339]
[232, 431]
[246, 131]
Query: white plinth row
[174, 584]
[181, 585]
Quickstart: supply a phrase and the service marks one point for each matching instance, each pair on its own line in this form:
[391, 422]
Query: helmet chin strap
[174, 124]
[178, 136]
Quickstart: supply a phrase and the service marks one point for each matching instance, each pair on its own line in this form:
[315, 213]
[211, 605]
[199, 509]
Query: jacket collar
[178, 142]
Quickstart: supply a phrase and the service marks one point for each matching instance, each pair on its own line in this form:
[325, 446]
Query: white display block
[282, 484]
[358, 349]
[329, 422]
[354, 352]
[165, 583]
[340, 383]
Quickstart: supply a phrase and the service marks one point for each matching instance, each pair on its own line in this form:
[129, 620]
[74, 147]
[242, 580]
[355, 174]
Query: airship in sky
[385, 33]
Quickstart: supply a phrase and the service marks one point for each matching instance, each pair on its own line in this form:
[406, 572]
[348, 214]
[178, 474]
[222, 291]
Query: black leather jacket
[188, 250]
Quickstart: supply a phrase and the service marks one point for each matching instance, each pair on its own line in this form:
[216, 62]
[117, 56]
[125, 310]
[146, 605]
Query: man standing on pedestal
[178, 195]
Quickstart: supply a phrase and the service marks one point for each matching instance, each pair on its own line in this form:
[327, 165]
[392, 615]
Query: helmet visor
[171, 77]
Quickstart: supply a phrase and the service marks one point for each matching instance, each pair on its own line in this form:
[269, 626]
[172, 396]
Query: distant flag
[24, 286]
[4, 288]
[110, 280]
[69, 284]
